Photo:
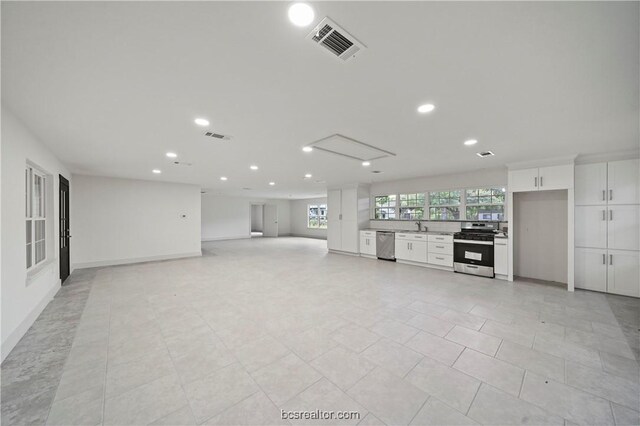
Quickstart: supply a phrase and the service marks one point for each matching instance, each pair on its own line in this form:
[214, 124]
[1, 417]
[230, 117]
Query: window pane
[40, 251]
[37, 195]
[323, 224]
[491, 212]
[444, 213]
[498, 195]
[28, 256]
[411, 213]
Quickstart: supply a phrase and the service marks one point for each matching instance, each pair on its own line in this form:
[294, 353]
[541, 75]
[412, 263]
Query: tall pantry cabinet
[607, 227]
[347, 213]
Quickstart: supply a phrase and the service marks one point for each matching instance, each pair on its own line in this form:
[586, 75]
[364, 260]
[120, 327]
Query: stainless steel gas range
[473, 248]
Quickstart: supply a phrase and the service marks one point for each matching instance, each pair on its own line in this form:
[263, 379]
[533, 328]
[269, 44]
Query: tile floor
[259, 326]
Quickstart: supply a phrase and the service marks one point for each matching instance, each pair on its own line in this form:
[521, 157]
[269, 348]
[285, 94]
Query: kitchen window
[411, 206]
[317, 216]
[385, 206]
[35, 213]
[445, 205]
[485, 203]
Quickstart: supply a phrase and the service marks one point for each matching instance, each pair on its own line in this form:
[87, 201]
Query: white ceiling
[111, 86]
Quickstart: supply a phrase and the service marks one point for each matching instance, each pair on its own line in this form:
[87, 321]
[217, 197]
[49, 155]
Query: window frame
[388, 207]
[491, 203]
[426, 216]
[319, 216]
[460, 205]
[413, 202]
[33, 219]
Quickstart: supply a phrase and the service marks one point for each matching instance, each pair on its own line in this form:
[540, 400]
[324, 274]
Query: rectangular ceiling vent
[217, 136]
[485, 154]
[335, 40]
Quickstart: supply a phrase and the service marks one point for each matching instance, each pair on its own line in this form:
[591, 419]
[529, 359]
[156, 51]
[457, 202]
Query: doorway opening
[257, 220]
[64, 228]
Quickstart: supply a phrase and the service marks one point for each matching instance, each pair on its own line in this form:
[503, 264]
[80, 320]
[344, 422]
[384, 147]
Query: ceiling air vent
[217, 136]
[335, 39]
[182, 163]
[485, 154]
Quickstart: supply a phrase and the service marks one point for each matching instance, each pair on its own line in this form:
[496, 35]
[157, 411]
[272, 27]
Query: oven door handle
[484, 243]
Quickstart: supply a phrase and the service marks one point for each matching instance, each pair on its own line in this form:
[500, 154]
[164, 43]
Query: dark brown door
[64, 228]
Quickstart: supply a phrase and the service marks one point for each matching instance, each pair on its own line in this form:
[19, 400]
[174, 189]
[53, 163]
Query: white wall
[299, 219]
[118, 221]
[23, 297]
[226, 218]
[256, 218]
[477, 178]
[539, 235]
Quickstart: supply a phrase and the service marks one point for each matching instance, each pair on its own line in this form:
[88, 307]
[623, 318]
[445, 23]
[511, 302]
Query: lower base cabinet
[610, 271]
[591, 269]
[368, 243]
[623, 272]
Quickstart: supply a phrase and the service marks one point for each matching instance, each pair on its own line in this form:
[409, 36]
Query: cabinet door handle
[610, 194]
[610, 214]
[439, 258]
[439, 246]
[610, 259]
[535, 181]
[604, 259]
[604, 195]
[541, 181]
[604, 215]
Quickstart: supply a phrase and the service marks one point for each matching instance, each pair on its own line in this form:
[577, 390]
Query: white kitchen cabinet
[402, 249]
[347, 213]
[624, 182]
[500, 256]
[591, 226]
[411, 247]
[541, 178]
[368, 243]
[523, 180]
[591, 184]
[440, 238]
[623, 227]
[623, 273]
[591, 269]
[440, 259]
[334, 235]
[555, 177]
[440, 248]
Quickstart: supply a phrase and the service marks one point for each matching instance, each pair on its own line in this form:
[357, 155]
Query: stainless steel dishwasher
[386, 245]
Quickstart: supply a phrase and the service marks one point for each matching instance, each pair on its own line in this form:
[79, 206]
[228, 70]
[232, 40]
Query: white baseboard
[114, 262]
[15, 336]
[232, 237]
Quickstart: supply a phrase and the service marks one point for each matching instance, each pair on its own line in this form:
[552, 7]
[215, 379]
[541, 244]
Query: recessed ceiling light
[171, 154]
[272, 183]
[470, 142]
[253, 167]
[307, 176]
[426, 108]
[307, 149]
[201, 122]
[156, 171]
[366, 163]
[301, 14]
[223, 178]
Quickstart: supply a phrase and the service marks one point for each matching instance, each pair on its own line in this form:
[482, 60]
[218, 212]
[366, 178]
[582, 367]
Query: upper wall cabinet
[624, 182]
[541, 178]
[591, 184]
[616, 182]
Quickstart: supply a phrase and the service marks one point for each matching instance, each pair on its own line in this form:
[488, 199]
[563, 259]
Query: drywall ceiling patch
[348, 147]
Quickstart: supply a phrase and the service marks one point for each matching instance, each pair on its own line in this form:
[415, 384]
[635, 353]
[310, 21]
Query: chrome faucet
[419, 223]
